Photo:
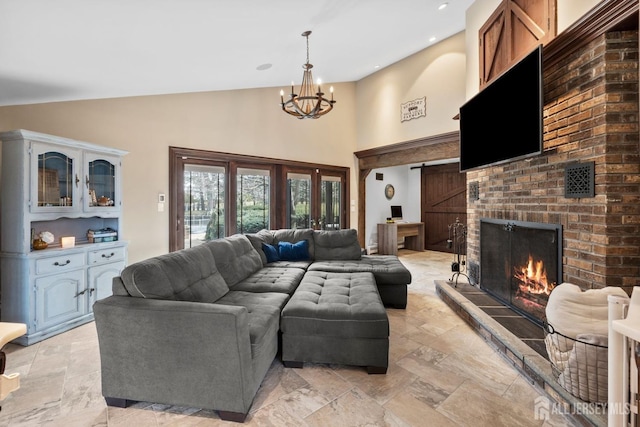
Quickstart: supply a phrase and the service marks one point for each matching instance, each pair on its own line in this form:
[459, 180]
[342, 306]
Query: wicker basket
[579, 365]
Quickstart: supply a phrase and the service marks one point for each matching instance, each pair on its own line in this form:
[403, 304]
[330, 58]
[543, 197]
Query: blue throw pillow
[270, 252]
[298, 251]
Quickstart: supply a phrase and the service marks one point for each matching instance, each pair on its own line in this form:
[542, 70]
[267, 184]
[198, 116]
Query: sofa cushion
[290, 264]
[186, 275]
[298, 251]
[284, 280]
[337, 244]
[235, 257]
[387, 269]
[258, 239]
[263, 314]
[295, 235]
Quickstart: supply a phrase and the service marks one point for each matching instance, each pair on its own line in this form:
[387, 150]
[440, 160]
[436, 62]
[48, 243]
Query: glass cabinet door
[55, 186]
[101, 177]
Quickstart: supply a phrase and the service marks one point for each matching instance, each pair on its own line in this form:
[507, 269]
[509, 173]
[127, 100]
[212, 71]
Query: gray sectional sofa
[200, 327]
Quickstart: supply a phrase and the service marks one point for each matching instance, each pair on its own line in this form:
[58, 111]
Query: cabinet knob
[108, 256]
[91, 291]
[62, 265]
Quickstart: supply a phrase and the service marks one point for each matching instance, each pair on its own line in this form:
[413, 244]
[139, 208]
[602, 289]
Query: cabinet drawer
[59, 263]
[106, 255]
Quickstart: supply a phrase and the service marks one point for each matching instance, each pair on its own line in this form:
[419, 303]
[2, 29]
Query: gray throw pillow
[257, 239]
[337, 245]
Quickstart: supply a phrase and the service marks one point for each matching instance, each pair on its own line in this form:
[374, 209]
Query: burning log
[533, 278]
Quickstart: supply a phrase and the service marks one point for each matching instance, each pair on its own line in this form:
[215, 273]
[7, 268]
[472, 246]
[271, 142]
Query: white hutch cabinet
[67, 188]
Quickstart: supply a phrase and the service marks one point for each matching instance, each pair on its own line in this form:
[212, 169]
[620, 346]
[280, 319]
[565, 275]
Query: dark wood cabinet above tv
[512, 31]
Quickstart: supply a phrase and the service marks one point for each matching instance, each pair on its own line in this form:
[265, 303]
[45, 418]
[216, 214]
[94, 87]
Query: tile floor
[441, 373]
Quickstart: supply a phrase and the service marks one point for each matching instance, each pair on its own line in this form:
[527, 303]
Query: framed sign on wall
[413, 109]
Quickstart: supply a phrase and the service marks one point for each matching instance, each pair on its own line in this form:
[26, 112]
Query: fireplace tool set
[458, 242]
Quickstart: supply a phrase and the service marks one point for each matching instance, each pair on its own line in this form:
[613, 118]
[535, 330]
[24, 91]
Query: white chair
[8, 332]
[624, 333]
[630, 326]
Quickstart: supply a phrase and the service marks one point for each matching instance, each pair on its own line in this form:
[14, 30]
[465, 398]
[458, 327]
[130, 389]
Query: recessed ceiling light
[264, 67]
[432, 39]
[443, 5]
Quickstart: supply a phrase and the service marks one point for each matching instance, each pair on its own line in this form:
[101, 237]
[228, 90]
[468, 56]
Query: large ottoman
[391, 276]
[336, 318]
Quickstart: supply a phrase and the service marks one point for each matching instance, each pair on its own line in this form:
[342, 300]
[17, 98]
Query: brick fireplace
[590, 120]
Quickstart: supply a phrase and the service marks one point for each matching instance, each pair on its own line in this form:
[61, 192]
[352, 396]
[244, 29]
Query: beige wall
[243, 122]
[437, 72]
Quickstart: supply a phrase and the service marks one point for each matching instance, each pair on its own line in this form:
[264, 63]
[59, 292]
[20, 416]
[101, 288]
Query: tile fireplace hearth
[482, 312]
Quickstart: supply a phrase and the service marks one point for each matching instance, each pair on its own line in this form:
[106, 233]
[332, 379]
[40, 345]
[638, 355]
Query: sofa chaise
[200, 327]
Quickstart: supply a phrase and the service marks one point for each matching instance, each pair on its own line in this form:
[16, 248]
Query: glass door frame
[178, 157]
[178, 160]
[233, 190]
[316, 175]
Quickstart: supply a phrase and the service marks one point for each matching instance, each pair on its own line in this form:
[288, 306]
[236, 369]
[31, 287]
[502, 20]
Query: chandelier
[309, 104]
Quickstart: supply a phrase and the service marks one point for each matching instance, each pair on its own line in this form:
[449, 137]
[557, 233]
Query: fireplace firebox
[520, 263]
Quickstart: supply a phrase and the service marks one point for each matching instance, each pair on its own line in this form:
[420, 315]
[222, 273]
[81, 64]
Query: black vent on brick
[579, 180]
[474, 191]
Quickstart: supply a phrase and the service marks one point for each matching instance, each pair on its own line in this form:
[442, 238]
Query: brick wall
[590, 115]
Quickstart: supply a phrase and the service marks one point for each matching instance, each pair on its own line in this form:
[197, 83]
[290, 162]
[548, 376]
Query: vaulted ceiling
[58, 50]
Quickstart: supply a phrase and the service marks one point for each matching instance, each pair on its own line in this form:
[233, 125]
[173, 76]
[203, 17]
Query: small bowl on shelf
[39, 244]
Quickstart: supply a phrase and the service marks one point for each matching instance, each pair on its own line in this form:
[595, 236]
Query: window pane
[331, 196]
[203, 204]
[252, 201]
[299, 200]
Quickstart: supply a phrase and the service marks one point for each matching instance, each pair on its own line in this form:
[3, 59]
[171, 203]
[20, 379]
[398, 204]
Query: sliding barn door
[444, 199]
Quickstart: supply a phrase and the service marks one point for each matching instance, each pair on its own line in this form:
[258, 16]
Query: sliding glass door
[331, 204]
[315, 199]
[204, 203]
[213, 195]
[253, 199]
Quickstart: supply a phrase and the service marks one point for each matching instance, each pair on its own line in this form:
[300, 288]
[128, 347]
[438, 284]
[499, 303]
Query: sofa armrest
[176, 352]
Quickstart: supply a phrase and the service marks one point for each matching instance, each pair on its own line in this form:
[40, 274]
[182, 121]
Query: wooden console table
[389, 233]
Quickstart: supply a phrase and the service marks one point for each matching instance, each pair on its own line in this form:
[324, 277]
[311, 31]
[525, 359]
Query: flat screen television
[503, 122]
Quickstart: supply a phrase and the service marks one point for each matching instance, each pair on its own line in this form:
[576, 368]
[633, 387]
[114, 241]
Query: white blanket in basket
[580, 356]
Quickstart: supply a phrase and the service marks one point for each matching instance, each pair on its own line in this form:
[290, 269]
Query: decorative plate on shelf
[389, 191]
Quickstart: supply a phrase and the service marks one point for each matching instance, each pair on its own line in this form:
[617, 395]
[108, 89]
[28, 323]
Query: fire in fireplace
[520, 263]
